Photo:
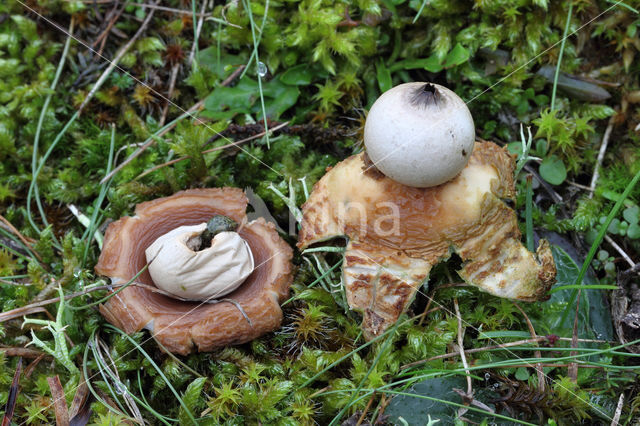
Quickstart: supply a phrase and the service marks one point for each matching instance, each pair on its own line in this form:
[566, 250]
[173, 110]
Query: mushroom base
[184, 327]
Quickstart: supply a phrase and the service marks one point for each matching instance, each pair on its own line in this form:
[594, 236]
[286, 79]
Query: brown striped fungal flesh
[250, 311]
[397, 233]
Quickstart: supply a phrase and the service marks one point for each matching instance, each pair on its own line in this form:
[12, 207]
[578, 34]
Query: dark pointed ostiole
[426, 95]
[13, 395]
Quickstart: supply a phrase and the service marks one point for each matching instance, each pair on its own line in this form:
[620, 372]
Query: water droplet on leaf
[262, 69]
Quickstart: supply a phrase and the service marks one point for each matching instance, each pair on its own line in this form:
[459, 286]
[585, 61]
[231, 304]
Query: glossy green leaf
[384, 77]
[300, 75]
[225, 102]
[458, 55]
[594, 318]
[430, 64]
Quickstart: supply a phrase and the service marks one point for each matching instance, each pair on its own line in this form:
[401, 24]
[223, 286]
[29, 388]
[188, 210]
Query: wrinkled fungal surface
[184, 327]
[398, 233]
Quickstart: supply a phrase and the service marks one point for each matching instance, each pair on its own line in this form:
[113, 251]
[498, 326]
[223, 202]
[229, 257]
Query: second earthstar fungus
[397, 233]
[184, 326]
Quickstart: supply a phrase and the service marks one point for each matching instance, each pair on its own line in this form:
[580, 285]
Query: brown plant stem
[573, 367]
[538, 354]
[13, 396]
[172, 86]
[113, 63]
[22, 238]
[59, 401]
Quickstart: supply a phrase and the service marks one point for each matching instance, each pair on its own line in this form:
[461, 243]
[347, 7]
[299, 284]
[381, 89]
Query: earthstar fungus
[397, 233]
[184, 327]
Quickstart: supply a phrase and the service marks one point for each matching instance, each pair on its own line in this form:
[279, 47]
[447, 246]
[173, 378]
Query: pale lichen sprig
[59, 351]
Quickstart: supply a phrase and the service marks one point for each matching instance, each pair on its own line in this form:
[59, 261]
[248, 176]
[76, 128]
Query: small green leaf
[522, 374]
[553, 170]
[633, 231]
[515, 148]
[458, 55]
[631, 214]
[431, 64]
[384, 77]
[300, 75]
[614, 226]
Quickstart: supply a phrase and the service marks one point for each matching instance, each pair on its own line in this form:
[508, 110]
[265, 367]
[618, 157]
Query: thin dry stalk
[601, 152]
[192, 55]
[102, 38]
[12, 396]
[170, 127]
[150, 142]
[172, 86]
[366, 409]
[573, 367]
[38, 306]
[27, 242]
[33, 310]
[31, 367]
[616, 416]
[115, 60]
[165, 9]
[469, 394]
[218, 148]
[21, 352]
[620, 251]
[471, 351]
[538, 354]
[59, 401]
[430, 299]
[102, 351]
[47, 291]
